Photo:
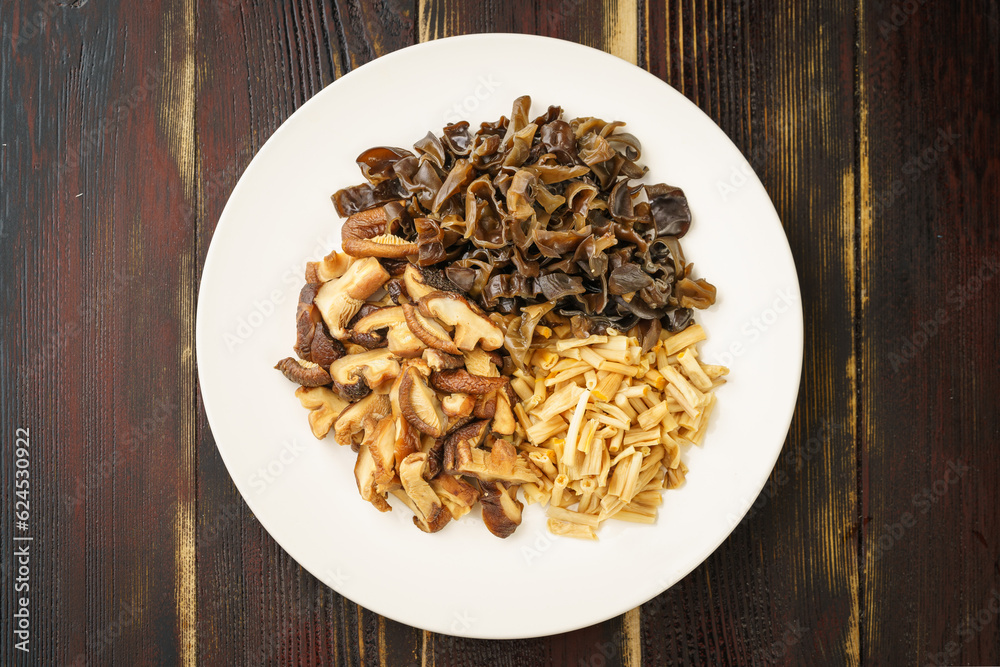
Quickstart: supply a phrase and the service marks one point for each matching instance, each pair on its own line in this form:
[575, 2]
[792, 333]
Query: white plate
[463, 580]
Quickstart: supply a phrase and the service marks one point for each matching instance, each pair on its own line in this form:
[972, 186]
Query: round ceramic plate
[463, 580]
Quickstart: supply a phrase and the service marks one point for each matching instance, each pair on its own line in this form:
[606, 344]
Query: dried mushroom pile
[503, 317]
[408, 376]
[526, 212]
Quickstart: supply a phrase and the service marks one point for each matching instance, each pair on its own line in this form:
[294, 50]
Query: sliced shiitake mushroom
[332, 266]
[471, 326]
[364, 235]
[441, 361]
[501, 509]
[364, 473]
[307, 317]
[460, 381]
[458, 405]
[429, 512]
[352, 419]
[381, 440]
[457, 495]
[324, 406]
[503, 415]
[464, 456]
[419, 405]
[401, 340]
[429, 331]
[338, 300]
[354, 375]
[407, 440]
[421, 282]
[305, 373]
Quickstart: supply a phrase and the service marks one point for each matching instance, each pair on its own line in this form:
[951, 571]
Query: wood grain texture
[929, 336]
[258, 62]
[783, 588]
[873, 126]
[102, 378]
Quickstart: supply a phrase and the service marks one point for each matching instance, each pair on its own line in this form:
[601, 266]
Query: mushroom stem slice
[457, 495]
[364, 473]
[324, 406]
[352, 420]
[430, 514]
[419, 405]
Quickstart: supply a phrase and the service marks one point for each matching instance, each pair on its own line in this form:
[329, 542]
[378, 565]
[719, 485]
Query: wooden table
[874, 126]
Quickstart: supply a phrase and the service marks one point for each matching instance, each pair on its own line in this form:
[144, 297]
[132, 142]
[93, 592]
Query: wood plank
[778, 79]
[929, 94]
[258, 62]
[613, 27]
[100, 376]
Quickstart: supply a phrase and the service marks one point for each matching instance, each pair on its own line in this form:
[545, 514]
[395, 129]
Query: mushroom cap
[460, 381]
[305, 373]
[463, 456]
[458, 405]
[419, 405]
[427, 330]
[363, 235]
[400, 339]
[307, 317]
[354, 375]
[501, 509]
[471, 326]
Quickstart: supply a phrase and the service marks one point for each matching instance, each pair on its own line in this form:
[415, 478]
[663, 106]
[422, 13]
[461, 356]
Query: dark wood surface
[875, 128]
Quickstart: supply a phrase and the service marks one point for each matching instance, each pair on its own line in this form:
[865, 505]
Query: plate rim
[227, 220]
